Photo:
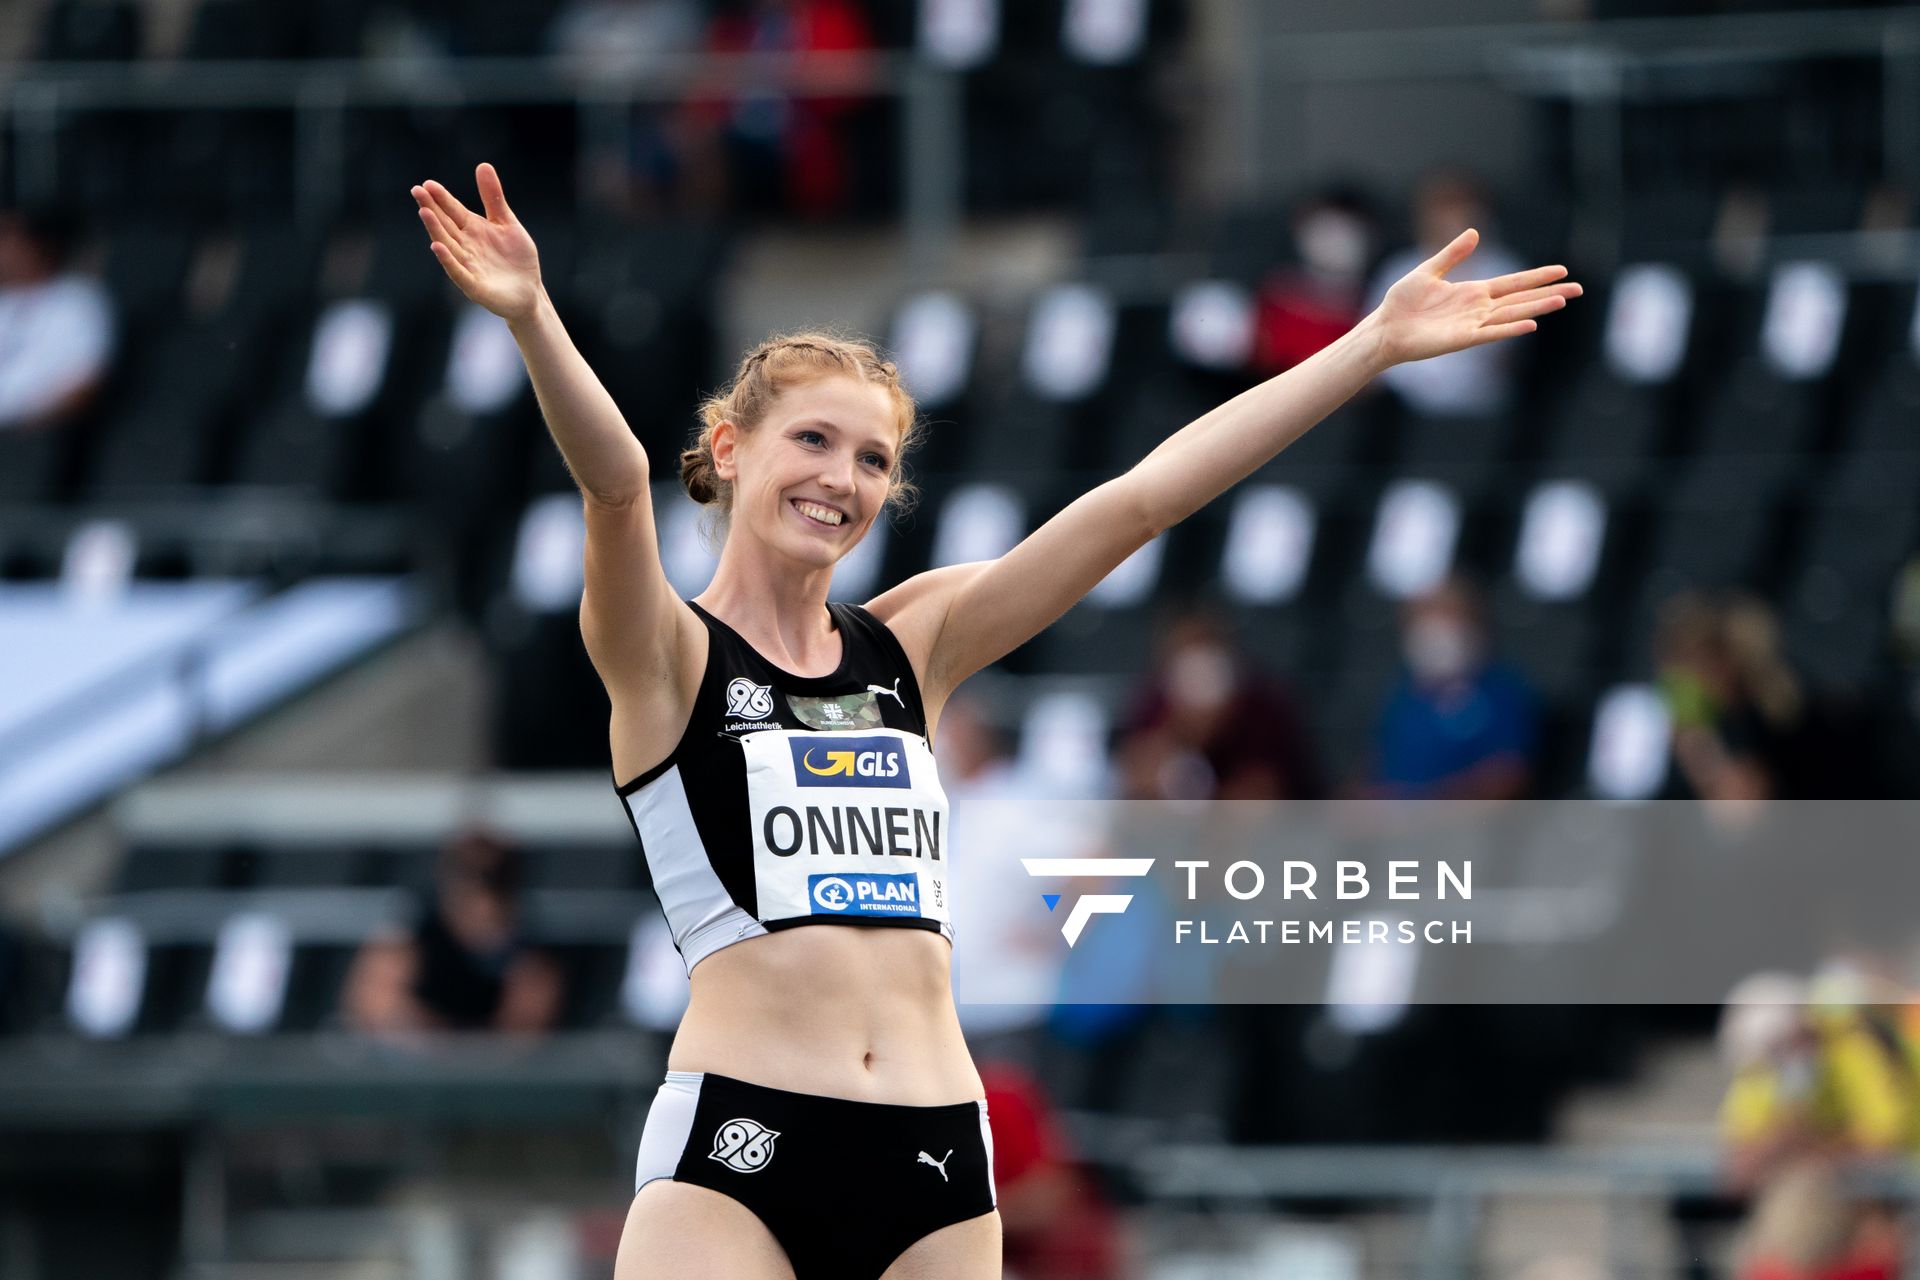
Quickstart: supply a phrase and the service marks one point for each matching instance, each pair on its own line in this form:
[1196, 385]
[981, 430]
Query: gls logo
[1093, 903]
[848, 762]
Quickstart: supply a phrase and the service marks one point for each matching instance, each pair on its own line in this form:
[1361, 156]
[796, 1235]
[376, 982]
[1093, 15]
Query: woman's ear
[726, 439]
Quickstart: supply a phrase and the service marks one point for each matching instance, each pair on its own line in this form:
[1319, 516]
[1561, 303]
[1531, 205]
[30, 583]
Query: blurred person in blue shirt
[1459, 724]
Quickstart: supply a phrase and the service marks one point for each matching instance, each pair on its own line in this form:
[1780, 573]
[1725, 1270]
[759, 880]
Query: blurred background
[324, 950]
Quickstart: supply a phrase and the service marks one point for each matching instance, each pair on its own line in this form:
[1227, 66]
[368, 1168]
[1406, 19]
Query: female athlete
[821, 1116]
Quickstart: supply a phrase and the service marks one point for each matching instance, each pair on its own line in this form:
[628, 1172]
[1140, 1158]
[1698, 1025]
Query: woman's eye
[875, 460]
[808, 437]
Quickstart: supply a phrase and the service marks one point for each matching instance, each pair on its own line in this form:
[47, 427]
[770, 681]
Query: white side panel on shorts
[669, 1122]
[986, 1136]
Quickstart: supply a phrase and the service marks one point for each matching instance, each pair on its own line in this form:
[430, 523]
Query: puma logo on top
[749, 701]
[940, 1164]
[893, 693]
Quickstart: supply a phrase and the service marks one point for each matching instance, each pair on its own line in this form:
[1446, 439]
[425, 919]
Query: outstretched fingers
[441, 233]
[1535, 295]
[449, 208]
[1453, 255]
[1533, 278]
[492, 196]
[451, 264]
[1532, 305]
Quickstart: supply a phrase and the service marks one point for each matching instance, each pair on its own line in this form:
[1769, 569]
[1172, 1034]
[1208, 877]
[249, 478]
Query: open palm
[490, 257]
[1425, 314]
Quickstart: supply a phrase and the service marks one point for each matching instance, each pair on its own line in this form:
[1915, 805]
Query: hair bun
[696, 473]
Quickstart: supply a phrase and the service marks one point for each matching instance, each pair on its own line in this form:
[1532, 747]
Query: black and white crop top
[794, 800]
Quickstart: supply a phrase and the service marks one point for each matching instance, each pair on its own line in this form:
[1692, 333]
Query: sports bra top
[794, 800]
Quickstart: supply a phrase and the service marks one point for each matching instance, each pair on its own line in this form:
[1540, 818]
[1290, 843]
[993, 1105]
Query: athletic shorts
[844, 1186]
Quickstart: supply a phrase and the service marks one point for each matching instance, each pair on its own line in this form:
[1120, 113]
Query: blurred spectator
[464, 964]
[1304, 307]
[1736, 708]
[1770, 1043]
[1208, 725]
[56, 324]
[769, 151]
[1056, 1222]
[1740, 226]
[1459, 725]
[1004, 978]
[1476, 381]
[1802, 1228]
[1821, 1070]
[615, 40]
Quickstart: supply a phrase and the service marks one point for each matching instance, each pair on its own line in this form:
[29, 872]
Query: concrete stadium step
[1672, 1100]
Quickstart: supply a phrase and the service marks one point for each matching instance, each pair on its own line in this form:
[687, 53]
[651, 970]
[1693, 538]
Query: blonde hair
[783, 361]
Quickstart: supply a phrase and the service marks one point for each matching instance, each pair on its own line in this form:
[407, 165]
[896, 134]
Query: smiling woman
[778, 754]
[833, 393]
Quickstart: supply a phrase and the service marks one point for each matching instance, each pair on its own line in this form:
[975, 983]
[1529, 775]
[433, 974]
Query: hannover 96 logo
[747, 700]
[742, 1144]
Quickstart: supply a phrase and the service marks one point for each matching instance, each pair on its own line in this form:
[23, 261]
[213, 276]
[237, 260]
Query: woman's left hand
[1425, 314]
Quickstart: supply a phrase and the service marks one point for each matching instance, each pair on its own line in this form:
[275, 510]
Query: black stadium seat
[1607, 431]
[90, 31]
[1836, 599]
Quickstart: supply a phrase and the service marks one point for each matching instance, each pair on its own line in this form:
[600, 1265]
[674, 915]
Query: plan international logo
[1092, 904]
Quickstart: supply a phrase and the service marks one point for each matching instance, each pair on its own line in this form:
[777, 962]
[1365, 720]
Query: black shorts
[844, 1186]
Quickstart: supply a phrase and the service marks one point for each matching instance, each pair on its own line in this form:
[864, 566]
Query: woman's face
[809, 480]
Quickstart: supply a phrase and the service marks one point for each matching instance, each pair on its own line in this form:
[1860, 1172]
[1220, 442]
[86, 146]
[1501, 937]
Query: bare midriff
[836, 1010]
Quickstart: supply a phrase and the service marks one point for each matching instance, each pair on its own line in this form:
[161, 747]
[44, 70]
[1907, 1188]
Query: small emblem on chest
[749, 701]
[846, 711]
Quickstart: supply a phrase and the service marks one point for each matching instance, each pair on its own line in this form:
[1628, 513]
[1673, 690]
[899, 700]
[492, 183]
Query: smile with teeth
[817, 513]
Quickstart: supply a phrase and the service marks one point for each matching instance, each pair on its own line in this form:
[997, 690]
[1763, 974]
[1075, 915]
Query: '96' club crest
[749, 701]
[742, 1144]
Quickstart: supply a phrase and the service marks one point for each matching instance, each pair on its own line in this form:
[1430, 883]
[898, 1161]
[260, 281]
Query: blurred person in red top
[1306, 305]
[1058, 1224]
[1208, 725]
[766, 151]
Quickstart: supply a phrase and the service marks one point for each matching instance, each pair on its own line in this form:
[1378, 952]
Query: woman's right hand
[491, 258]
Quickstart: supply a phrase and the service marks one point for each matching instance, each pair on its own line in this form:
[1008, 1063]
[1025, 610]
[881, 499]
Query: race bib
[846, 824]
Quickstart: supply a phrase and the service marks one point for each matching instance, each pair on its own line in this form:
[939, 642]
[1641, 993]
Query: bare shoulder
[651, 704]
[915, 611]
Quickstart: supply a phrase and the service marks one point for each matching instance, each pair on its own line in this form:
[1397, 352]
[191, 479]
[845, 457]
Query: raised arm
[629, 613]
[978, 616]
